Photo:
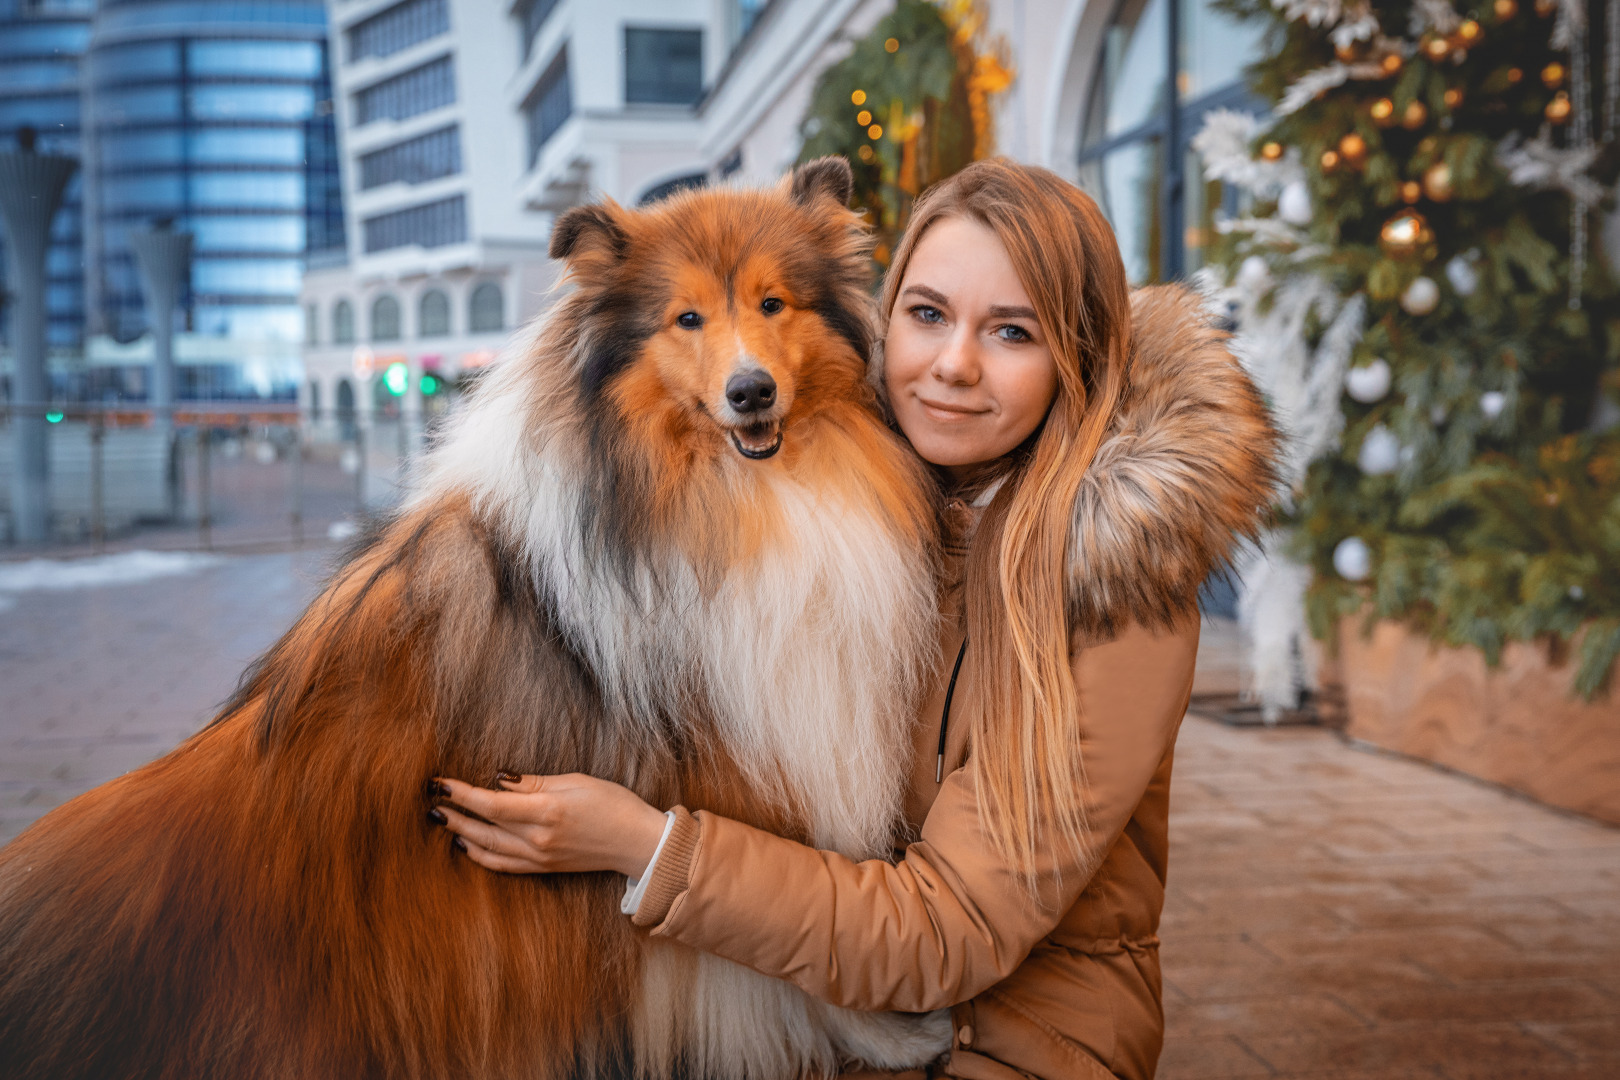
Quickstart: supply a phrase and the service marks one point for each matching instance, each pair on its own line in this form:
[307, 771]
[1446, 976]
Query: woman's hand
[550, 824]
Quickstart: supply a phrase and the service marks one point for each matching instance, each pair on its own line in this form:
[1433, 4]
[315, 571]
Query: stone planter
[1517, 725]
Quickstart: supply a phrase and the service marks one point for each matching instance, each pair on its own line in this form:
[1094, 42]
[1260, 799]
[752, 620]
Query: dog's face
[714, 322]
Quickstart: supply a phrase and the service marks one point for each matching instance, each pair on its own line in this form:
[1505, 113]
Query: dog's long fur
[590, 577]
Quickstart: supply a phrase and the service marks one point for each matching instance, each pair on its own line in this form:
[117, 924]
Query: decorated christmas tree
[1417, 285]
[909, 106]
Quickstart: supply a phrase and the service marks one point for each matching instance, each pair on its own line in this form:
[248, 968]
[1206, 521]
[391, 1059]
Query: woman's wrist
[643, 831]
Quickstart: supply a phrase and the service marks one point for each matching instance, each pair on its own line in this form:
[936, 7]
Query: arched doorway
[344, 410]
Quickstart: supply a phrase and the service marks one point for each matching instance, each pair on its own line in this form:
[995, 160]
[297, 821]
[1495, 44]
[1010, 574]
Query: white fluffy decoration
[1223, 144]
[1491, 403]
[1462, 275]
[1421, 297]
[1380, 452]
[1254, 275]
[1352, 559]
[1272, 611]
[1369, 383]
[1294, 204]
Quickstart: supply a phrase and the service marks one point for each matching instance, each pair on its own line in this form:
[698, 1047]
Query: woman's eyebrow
[1001, 311]
[933, 296]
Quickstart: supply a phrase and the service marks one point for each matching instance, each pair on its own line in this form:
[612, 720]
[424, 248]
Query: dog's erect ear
[829, 176]
[593, 230]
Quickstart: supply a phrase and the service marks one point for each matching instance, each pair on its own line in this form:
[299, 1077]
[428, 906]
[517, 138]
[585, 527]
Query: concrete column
[31, 188]
[163, 258]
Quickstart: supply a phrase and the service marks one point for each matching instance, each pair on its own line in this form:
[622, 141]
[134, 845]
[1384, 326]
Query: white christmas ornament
[1294, 204]
[1491, 403]
[1462, 275]
[1352, 559]
[1253, 275]
[1380, 452]
[1368, 384]
[1421, 297]
[1438, 414]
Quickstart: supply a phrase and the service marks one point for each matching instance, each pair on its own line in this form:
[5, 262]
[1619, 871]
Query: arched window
[385, 318]
[1163, 65]
[433, 314]
[314, 399]
[344, 407]
[343, 323]
[486, 310]
[670, 187]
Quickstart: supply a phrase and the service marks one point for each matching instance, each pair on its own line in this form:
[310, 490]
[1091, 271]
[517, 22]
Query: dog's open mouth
[757, 441]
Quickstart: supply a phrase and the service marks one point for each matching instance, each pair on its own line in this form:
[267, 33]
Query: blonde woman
[1102, 452]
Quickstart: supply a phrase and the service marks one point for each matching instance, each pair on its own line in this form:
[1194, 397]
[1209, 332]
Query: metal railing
[127, 467]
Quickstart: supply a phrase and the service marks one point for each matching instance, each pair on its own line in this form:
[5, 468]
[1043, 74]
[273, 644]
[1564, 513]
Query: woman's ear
[590, 233]
[829, 176]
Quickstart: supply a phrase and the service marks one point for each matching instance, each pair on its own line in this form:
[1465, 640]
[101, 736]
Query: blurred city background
[252, 252]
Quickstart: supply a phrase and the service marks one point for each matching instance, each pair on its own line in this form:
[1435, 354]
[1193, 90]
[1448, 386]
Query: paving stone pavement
[1333, 913]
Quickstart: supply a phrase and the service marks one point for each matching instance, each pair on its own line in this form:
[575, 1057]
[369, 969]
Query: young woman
[1103, 452]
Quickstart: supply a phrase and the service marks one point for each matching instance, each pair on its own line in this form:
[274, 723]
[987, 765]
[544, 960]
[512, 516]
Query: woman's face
[970, 374]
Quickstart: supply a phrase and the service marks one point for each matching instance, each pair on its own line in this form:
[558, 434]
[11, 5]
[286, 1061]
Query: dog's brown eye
[770, 305]
[689, 320]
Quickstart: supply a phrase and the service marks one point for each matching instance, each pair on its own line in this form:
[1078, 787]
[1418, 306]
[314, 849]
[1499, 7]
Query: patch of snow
[125, 568]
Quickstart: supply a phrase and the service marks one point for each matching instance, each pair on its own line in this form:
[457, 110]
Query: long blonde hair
[1025, 737]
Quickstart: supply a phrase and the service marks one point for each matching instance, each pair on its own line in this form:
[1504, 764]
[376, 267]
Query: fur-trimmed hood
[1186, 472]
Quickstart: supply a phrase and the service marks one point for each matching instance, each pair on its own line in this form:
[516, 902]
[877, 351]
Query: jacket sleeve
[952, 918]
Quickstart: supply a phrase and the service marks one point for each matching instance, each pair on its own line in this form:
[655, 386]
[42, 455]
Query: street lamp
[163, 257]
[31, 186]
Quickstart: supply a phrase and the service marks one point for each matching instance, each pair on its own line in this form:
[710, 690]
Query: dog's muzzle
[757, 442]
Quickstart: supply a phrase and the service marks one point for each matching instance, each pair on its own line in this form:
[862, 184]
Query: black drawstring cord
[945, 717]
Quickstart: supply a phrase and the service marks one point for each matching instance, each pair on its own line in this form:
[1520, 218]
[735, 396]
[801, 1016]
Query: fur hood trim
[1187, 471]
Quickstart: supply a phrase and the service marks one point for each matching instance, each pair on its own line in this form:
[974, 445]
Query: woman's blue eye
[770, 305]
[1013, 333]
[689, 320]
[928, 314]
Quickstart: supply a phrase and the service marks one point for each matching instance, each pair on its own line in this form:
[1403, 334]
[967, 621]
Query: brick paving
[1333, 913]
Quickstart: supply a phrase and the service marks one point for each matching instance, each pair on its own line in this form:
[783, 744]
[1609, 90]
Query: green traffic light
[53, 418]
[430, 385]
[397, 379]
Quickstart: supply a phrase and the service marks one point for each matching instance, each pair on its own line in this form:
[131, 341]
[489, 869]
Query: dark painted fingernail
[434, 789]
[507, 777]
[459, 844]
[436, 816]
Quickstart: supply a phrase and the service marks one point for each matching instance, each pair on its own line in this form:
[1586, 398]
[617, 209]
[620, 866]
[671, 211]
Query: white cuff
[634, 888]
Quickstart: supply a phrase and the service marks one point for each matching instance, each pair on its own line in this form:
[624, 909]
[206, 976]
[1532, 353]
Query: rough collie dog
[669, 542]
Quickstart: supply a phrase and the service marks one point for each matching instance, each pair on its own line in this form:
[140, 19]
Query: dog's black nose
[751, 391]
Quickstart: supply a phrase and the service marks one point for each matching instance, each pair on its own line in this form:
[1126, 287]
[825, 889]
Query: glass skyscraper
[217, 117]
[42, 43]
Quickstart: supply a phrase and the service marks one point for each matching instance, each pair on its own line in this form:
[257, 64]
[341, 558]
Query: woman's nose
[958, 362]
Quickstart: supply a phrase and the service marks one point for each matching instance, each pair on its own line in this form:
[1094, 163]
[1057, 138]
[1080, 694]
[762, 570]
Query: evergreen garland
[1439, 167]
[909, 106]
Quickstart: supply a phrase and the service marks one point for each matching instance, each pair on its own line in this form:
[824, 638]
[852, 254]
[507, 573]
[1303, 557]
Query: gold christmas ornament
[865, 152]
[1411, 192]
[875, 132]
[1404, 233]
[1558, 108]
[1545, 8]
[863, 118]
[1383, 112]
[1414, 115]
[1469, 33]
[1271, 151]
[1552, 76]
[1435, 49]
[1353, 148]
[1330, 160]
[1514, 76]
[858, 97]
[1505, 9]
[1437, 182]
[1350, 52]
[1391, 63]
[1454, 97]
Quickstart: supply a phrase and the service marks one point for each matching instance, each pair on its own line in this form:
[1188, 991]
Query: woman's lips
[946, 413]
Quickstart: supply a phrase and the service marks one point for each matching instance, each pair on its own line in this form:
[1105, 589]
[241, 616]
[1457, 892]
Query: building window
[486, 310]
[662, 67]
[310, 312]
[1164, 64]
[430, 225]
[550, 105]
[414, 161]
[533, 14]
[385, 318]
[398, 28]
[670, 187]
[342, 323]
[410, 93]
[433, 314]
